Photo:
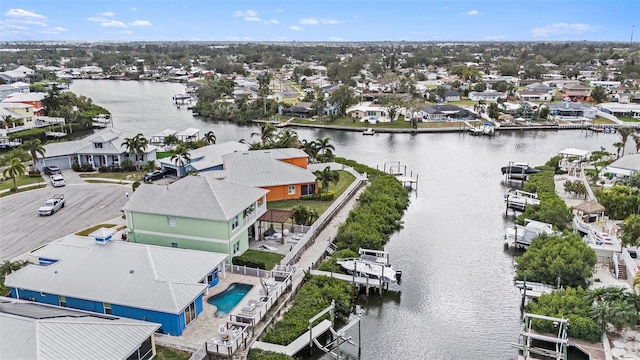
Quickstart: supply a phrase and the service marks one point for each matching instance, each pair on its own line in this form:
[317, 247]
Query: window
[175, 245]
[97, 145]
[308, 189]
[234, 222]
[62, 300]
[212, 276]
[292, 189]
[171, 220]
[236, 247]
[107, 308]
[190, 313]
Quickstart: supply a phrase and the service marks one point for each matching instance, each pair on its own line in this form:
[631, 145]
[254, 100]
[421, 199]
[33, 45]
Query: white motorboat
[522, 236]
[369, 131]
[373, 264]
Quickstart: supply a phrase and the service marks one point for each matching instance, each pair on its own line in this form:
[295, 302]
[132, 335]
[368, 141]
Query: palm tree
[287, 138]
[136, 145]
[15, 169]
[181, 157]
[310, 147]
[636, 139]
[325, 177]
[324, 147]
[210, 137]
[619, 149]
[35, 148]
[600, 313]
[266, 134]
[8, 120]
[624, 132]
[623, 314]
[170, 140]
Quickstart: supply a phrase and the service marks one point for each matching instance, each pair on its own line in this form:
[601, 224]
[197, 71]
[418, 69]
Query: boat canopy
[574, 152]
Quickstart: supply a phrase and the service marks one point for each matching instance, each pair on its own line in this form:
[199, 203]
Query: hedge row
[552, 208]
[249, 262]
[328, 196]
[314, 296]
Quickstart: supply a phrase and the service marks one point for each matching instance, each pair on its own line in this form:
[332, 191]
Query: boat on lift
[372, 264]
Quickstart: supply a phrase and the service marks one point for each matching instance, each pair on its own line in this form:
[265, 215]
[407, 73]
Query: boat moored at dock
[371, 264]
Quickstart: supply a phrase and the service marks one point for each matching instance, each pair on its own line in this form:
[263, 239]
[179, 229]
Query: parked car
[52, 170]
[57, 180]
[154, 175]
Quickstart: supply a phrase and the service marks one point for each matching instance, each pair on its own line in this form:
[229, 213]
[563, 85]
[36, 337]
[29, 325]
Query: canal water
[457, 299]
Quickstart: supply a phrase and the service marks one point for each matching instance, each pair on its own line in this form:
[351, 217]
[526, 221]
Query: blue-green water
[228, 299]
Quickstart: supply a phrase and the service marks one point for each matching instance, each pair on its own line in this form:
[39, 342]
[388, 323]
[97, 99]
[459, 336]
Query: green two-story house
[197, 212]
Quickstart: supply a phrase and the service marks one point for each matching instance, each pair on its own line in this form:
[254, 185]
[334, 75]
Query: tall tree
[319, 103]
[325, 147]
[342, 98]
[326, 177]
[624, 133]
[287, 138]
[636, 139]
[599, 94]
[631, 231]
[310, 147]
[210, 137]
[181, 157]
[137, 146]
[15, 169]
[267, 134]
[34, 148]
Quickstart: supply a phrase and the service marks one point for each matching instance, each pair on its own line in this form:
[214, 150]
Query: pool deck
[205, 327]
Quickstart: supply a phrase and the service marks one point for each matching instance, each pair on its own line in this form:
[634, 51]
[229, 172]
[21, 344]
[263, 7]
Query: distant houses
[159, 284]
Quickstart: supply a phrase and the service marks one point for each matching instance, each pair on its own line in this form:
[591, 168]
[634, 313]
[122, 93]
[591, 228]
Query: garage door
[61, 162]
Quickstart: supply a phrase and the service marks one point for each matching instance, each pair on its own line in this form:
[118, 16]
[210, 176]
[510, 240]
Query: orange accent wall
[301, 161]
[37, 105]
[281, 192]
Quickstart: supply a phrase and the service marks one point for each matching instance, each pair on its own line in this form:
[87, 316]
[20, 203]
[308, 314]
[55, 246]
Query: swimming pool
[228, 299]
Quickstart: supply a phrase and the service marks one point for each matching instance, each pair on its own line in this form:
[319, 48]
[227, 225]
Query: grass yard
[270, 259]
[602, 121]
[88, 231]
[320, 206]
[22, 180]
[132, 176]
[7, 193]
[628, 119]
[167, 353]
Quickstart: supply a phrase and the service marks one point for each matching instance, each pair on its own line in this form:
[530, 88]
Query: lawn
[270, 259]
[628, 119]
[22, 190]
[320, 206]
[133, 176]
[22, 180]
[167, 353]
[88, 231]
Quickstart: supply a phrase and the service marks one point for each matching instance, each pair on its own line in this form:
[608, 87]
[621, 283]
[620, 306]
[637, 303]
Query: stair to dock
[622, 271]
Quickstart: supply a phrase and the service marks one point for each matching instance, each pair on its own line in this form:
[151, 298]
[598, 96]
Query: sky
[319, 20]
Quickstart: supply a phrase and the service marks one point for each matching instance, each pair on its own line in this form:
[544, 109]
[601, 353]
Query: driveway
[22, 229]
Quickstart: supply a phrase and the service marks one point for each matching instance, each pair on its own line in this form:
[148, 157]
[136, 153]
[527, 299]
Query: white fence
[177, 343]
[323, 220]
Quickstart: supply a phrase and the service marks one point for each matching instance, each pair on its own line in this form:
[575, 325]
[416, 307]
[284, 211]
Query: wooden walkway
[298, 344]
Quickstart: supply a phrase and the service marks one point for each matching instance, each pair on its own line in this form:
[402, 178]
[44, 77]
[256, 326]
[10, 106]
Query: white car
[57, 180]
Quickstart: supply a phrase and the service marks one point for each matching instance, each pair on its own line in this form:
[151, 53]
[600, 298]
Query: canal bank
[457, 279]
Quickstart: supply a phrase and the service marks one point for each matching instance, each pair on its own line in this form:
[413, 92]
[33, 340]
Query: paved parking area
[22, 229]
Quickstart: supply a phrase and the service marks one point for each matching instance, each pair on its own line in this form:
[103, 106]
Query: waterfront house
[144, 282]
[536, 86]
[18, 87]
[624, 167]
[33, 98]
[103, 148]
[369, 112]
[490, 96]
[21, 73]
[621, 110]
[206, 158]
[282, 172]
[444, 112]
[39, 331]
[571, 111]
[301, 109]
[287, 97]
[17, 112]
[197, 212]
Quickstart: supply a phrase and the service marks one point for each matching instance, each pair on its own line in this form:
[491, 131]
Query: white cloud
[114, 23]
[336, 38]
[246, 13]
[561, 29]
[13, 27]
[308, 21]
[54, 31]
[97, 19]
[252, 18]
[134, 9]
[140, 23]
[21, 13]
[472, 13]
[271, 22]
[494, 37]
[59, 29]
[329, 21]
[296, 28]
[108, 13]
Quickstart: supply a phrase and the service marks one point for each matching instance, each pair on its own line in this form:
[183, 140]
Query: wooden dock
[361, 282]
[398, 170]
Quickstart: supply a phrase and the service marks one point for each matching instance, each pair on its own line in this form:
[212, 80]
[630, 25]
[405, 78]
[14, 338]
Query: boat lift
[561, 340]
[399, 170]
[333, 348]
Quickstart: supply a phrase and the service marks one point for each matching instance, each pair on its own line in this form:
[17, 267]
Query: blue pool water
[228, 299]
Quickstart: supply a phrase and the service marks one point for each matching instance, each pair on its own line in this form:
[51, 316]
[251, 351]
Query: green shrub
[249, 262]
[257, 354]
[314, 296]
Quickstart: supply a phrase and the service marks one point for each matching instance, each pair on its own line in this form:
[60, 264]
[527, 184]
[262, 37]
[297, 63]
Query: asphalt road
[22, 229]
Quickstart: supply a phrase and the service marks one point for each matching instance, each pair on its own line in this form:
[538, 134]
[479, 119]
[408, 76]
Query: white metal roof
[188, 132]
[198, 197]
[111, 139]
[129, 274]
[260, 168]
[209, 156]
[37, 331]
[574, 152]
